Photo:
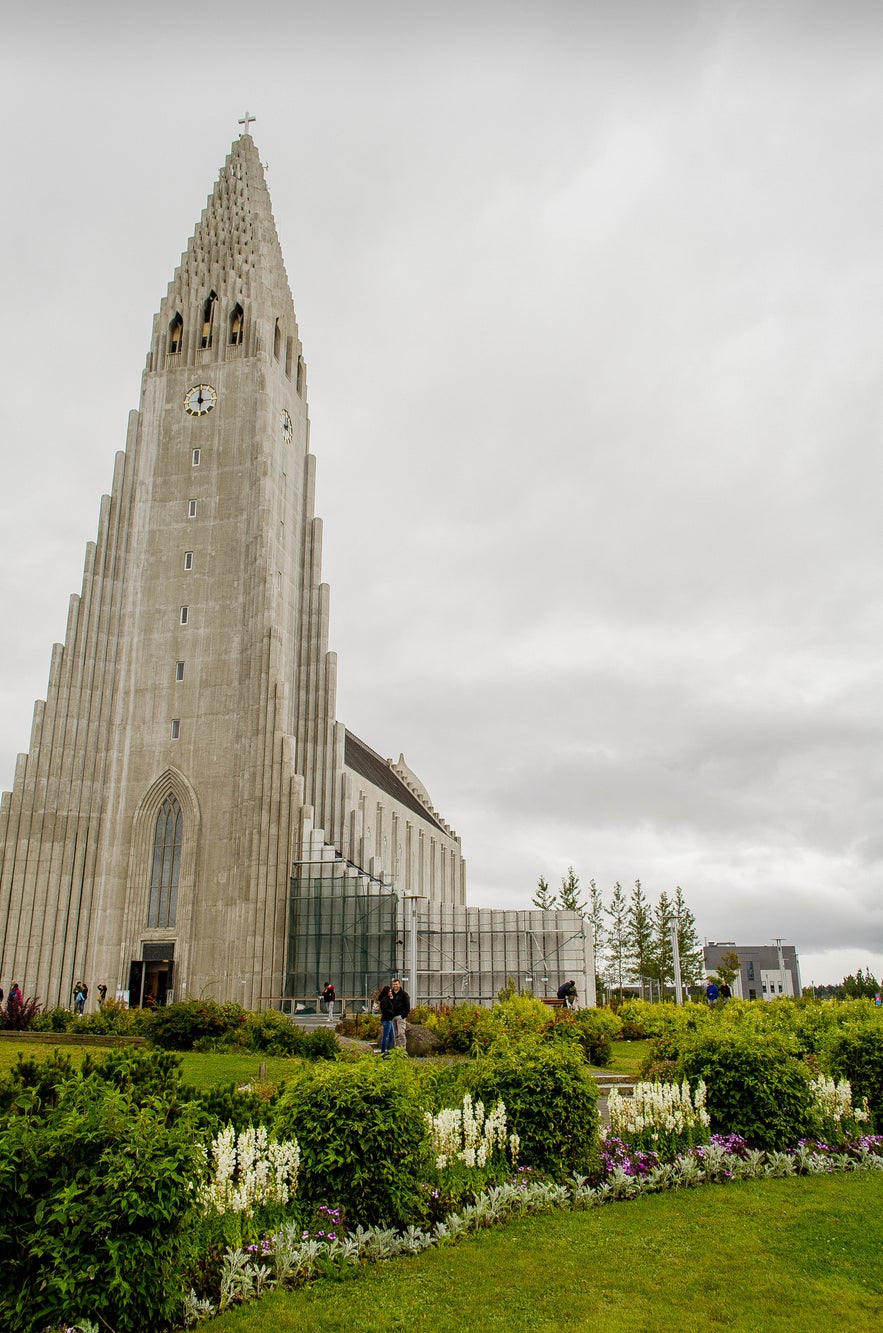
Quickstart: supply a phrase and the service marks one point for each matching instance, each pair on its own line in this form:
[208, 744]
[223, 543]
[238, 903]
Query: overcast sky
[590, 297]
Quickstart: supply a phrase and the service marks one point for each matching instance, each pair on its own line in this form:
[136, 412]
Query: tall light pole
[676, 964]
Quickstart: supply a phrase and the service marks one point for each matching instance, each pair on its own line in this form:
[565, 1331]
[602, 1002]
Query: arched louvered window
[166, 864]
[176, 333]
[208, 319]
[236, 326]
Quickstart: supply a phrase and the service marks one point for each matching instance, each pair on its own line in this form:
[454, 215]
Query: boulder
[420, 1041]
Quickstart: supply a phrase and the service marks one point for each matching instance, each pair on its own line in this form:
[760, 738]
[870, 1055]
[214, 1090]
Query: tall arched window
[166, 863]
[277, 340]
[208, 319]
[236, 326]
[176, 330]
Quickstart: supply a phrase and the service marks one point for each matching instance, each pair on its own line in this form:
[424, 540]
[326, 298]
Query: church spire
[231, 287]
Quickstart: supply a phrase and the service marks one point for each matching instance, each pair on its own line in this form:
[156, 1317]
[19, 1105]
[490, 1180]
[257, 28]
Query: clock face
[200, 399]
[287, 428]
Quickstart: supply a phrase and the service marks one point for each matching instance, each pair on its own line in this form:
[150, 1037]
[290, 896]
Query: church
[191, 818]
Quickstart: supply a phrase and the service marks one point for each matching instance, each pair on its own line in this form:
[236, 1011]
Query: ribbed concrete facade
[188, 749]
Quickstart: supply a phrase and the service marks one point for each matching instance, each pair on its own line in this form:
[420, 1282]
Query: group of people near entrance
[81, 995]
[15, 995]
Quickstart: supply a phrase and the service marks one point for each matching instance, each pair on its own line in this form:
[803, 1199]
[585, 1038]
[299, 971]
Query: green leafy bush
[114, 1018]
[755, 1087]
[365, 1027]
[363, 1139]
[95, 1208]
[177, 1026]
[273, 1033]
[856, 1053]
[57, 1019]
[594, 1030]
[552, 1104]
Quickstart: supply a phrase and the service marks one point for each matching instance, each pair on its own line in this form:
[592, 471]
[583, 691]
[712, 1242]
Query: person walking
[387, 1021]
[328, 997]
[401, 1007]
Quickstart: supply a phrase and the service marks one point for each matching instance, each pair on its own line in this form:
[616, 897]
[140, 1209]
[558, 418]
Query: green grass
[203, 1071]
[745, 1258]
[628, 1056]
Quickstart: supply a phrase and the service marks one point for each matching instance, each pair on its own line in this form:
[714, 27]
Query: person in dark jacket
[328, 997]
[401, 1007]
[387, 1021]
[567, 993]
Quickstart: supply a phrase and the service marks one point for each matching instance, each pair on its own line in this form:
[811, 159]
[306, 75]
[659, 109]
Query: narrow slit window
[166, 860]
[179, 671]
[176, 333]
[188, 559]
[191, 509]
[185, 614]
[236, 326]
[289, 355]
[197, 457]
[300, 375]
[208, 320]
[277, 340]
[176, 728]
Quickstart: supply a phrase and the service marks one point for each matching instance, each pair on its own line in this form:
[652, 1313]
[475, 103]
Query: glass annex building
[358, 932]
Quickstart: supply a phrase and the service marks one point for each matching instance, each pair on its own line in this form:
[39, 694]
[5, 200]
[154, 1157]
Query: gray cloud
[589, 298]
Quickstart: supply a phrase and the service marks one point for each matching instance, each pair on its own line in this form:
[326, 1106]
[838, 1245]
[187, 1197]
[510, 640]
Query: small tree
[544, 898]
[617, 935]
[661, 965]
[569, 896]
[595, 917]
[728, 968]
[639, 936]
[689, 944]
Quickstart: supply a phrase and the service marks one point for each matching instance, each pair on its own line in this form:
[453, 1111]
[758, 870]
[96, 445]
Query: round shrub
[363, 1139]
[551, 1103]
[856, 1053]
[754, 1088]
[273, 1034]
[177, 1026]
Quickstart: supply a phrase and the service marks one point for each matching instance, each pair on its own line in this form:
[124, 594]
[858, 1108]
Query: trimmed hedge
[754, 1088]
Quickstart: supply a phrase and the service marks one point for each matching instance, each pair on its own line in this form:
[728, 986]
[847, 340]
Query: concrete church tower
[188, 756]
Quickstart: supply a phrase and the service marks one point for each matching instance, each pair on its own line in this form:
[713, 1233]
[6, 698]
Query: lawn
[799, 1253]
[203, 1071]
[628, 1056]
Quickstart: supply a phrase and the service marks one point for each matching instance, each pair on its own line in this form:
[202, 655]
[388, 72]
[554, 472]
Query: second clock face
[200, 399]
[287, 428]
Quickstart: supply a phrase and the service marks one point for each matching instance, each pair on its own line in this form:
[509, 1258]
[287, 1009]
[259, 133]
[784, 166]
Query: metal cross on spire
[246, 121]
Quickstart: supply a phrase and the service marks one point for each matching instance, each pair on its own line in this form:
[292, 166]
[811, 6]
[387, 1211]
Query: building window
[289, 355]
[185, 614]
[176, 728]
[236, 326]
[191, 509]
[197, 457]
[163, 904]
[750, 971]
[179, 671]
[300, 375]
[176, 333]
[277, 340]
[188, 559]
[208, 320]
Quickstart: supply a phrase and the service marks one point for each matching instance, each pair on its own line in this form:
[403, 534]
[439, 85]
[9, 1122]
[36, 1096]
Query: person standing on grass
[328, 996]
[401, 1007]
[387, 1021]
